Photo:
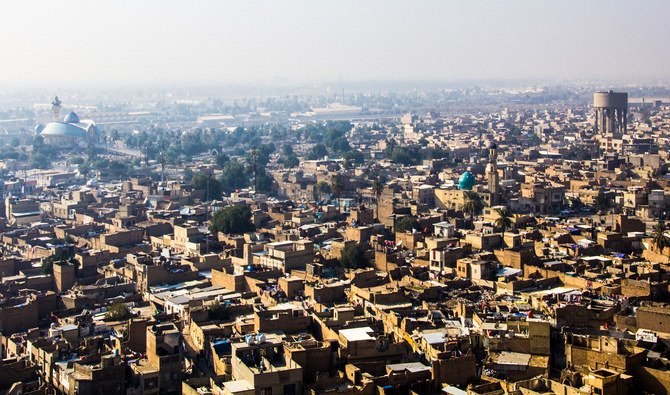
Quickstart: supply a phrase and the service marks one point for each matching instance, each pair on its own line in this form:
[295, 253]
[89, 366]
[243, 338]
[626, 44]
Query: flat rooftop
[357, 334]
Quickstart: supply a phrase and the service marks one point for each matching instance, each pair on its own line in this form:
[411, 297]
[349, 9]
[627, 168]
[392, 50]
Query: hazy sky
[200, 41]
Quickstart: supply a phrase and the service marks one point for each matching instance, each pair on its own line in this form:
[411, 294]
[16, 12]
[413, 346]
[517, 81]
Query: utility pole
[254, 157]
[208, 181]
[162, 158]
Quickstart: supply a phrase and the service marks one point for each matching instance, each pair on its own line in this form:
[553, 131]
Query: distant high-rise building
[492, 176]
[611, 112]
[55, 108]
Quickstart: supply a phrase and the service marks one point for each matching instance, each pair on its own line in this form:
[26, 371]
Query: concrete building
[106, 376]
[260, 366]
[22, 212]
[161, 371]
[288, 255]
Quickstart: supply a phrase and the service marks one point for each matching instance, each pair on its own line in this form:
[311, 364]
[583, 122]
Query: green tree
[234, 176]
[579, 152]
[39, 160]
[353, 257]
[117, 168]
[377, 189]
[222, 159]
[84, 168]
[188, 174]
[117, 311]
[47, 266]
[340, 144]
[532, 140]
[322, 188]
[406, 224]
[291, 161]
[64, 251]
[391, 144]
[235, 219]
[408, 156]
[38, 142]
[287, 150]
[264, 180]
[208, 183]
[504, 220]
[217, 311]
[317, 152]
[338, 185]
[575, 203]
[263, 153]
[353, 157]
[472, 204]
[658, 237]
[91, 149]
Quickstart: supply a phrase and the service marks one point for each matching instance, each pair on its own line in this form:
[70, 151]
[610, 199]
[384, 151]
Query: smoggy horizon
[169, 43]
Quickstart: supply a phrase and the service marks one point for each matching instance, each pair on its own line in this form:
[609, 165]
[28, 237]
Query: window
[266, 391]
[151, 383]
[289, 389]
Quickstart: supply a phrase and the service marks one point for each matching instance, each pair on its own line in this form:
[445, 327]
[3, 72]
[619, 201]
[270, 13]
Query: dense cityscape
[430, 236]
[341, 248]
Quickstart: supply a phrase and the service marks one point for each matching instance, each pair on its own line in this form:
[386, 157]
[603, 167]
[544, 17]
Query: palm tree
[377, 189]
[322, 188]
[472, 204]
[503, 221]
[658, 237]
[337, 187]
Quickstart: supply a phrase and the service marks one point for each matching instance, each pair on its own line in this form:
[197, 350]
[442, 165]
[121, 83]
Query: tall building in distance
[611, 113]
[55, 108]
[493, 179]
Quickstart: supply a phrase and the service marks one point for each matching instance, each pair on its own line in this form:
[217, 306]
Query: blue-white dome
[71, 117]
[63, 129]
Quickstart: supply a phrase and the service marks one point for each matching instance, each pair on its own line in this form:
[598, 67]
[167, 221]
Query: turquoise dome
[71, 117]
[466, 181]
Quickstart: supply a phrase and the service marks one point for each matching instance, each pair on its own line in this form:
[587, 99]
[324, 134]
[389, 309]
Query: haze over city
[102, 43]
